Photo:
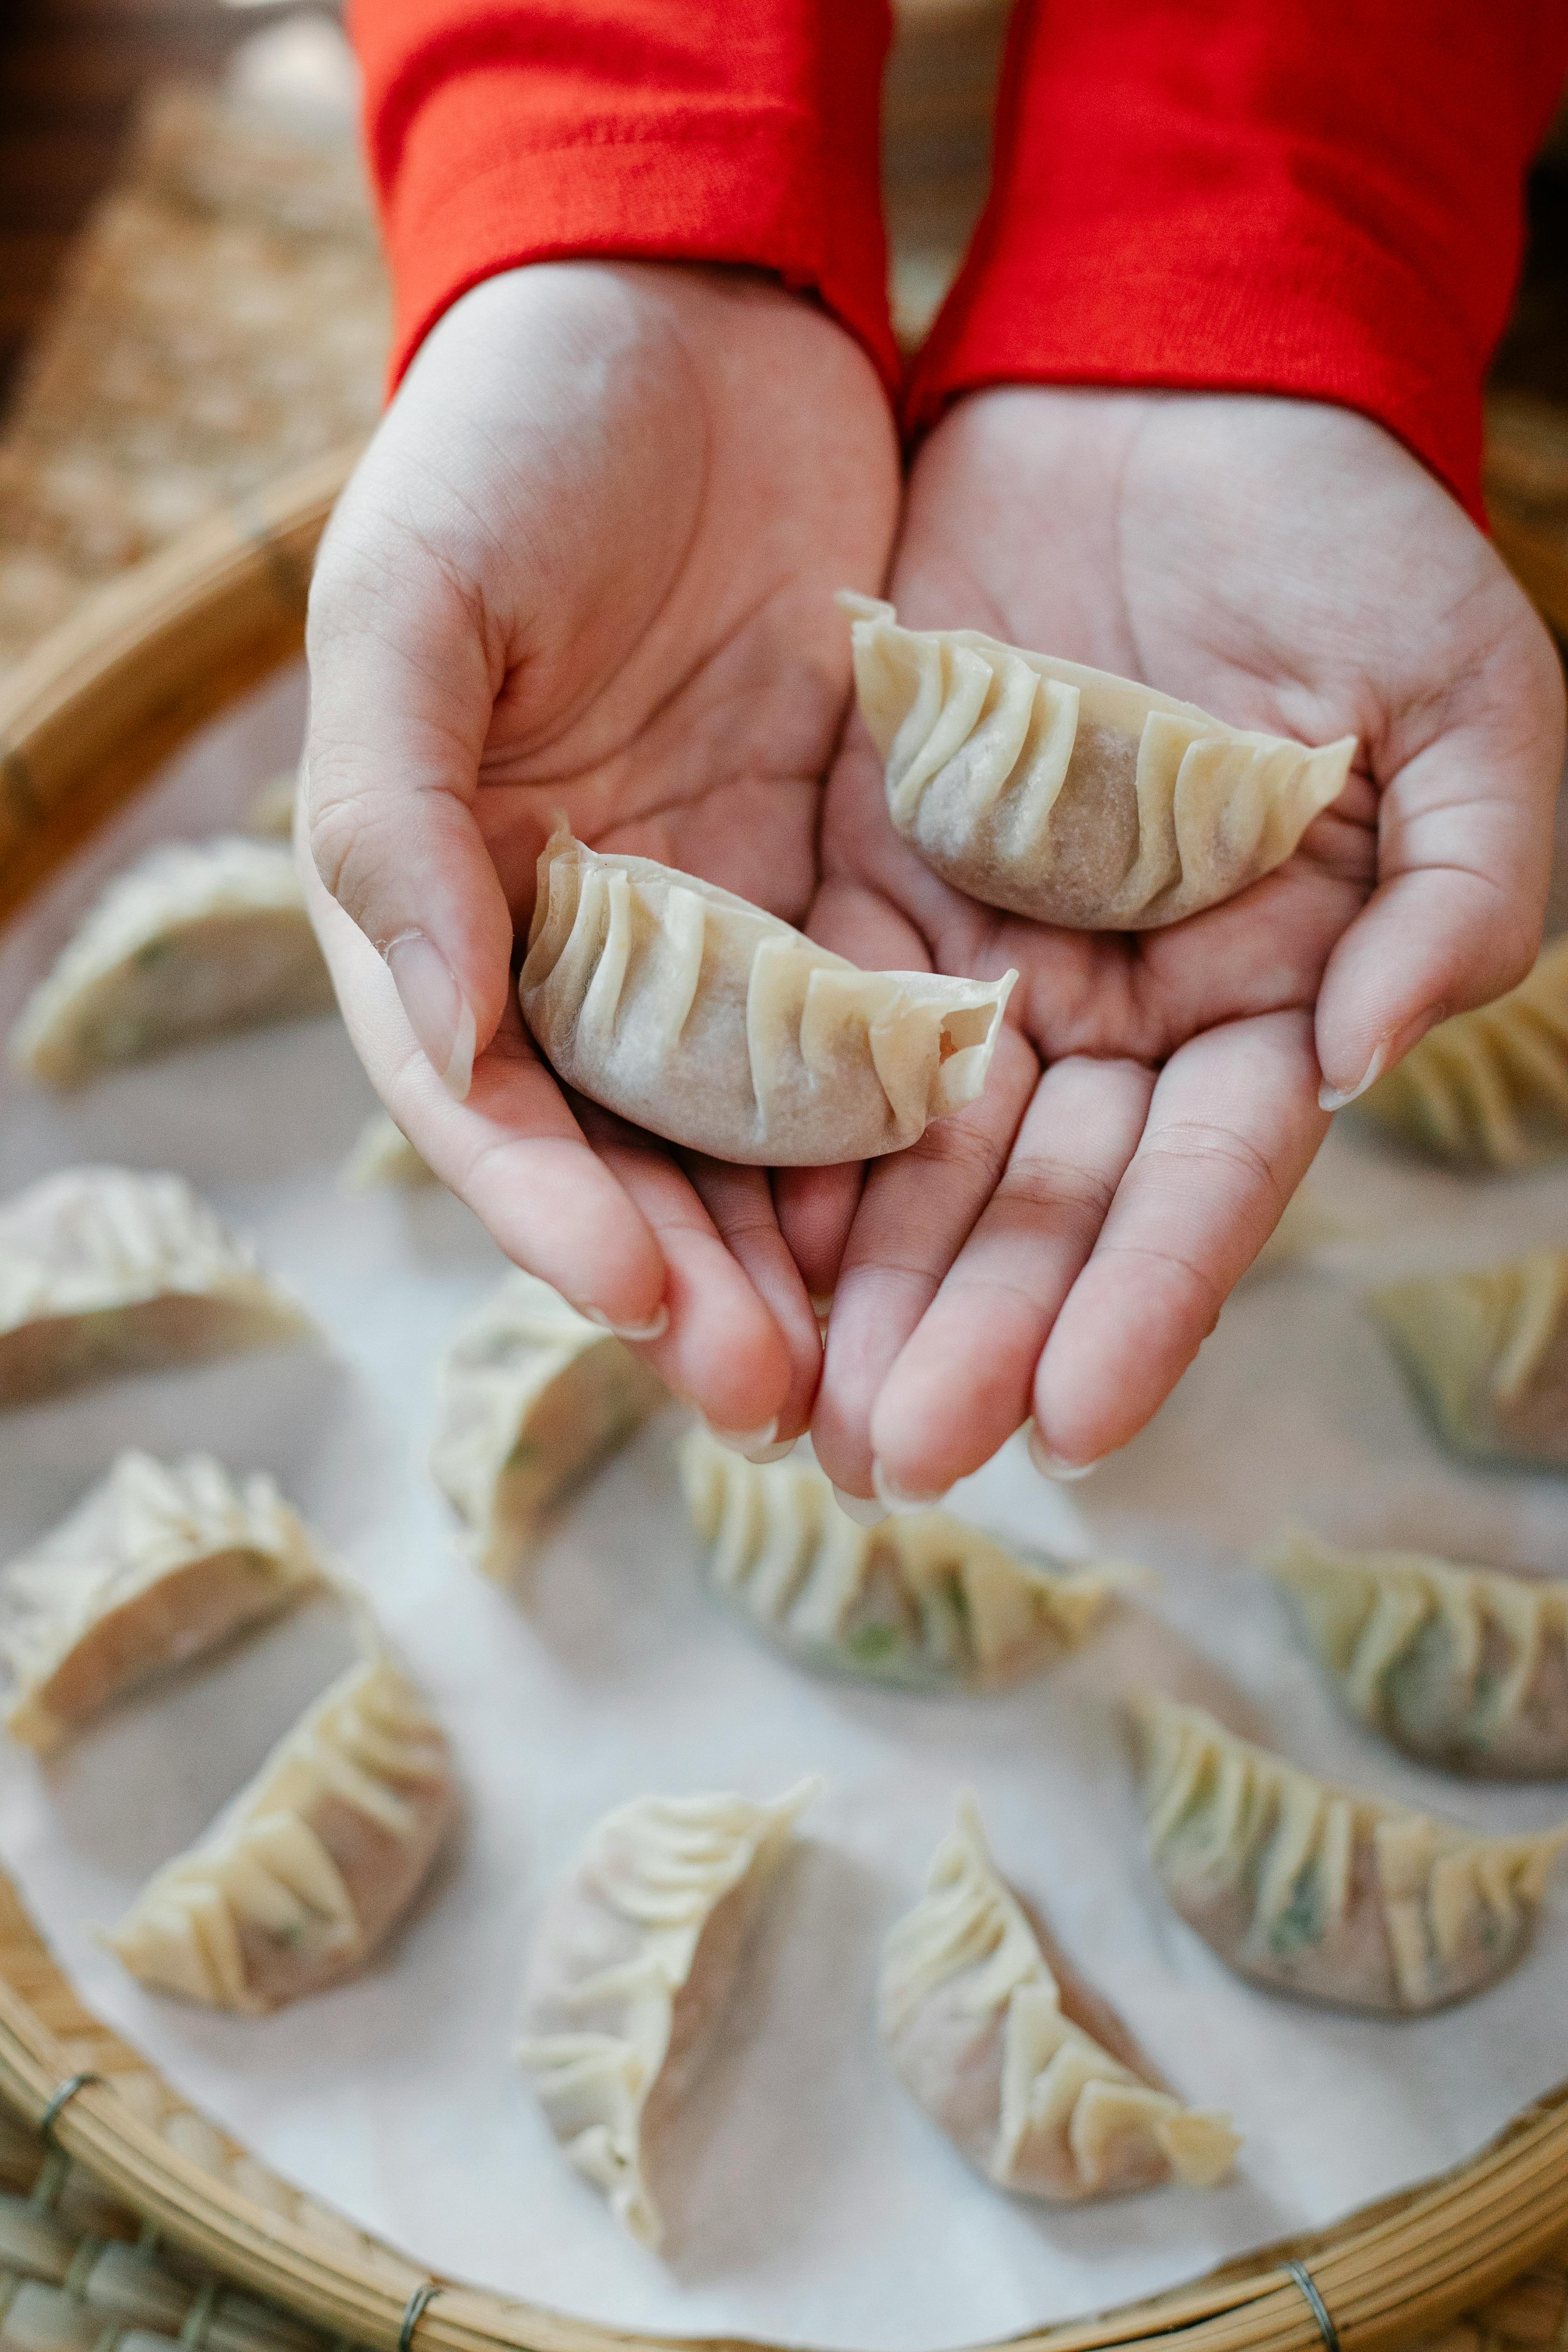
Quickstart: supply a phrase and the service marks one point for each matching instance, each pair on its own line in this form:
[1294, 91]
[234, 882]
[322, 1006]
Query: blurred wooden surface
[70, 74]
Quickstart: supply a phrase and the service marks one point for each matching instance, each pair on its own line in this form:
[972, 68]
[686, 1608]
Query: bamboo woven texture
[83, 722]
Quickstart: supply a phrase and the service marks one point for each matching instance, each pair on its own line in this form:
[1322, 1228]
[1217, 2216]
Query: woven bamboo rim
[84, 721]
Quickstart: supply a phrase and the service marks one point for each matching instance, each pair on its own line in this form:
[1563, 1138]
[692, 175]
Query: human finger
[1464, 837]
[512, 1149]
[1232, 1128]
[916, 1213]
[962, 1384]
[403, 687]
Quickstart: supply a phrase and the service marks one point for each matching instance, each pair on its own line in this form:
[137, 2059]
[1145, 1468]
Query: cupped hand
[1061, 1250]
[586, 567]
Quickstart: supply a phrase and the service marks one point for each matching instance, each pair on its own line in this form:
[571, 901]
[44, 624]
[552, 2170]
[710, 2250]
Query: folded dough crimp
[1489, 1087]
[1487, 1353]
[1466, 1667]
[158, 1563]
[530, 1396]
[921, 1600]
[704, 1020]
[197, 938]
[630, 1972]
[106, 1270]
[1069, 794]
[1327, 1893]
[1026, 2068]
[312, 1864]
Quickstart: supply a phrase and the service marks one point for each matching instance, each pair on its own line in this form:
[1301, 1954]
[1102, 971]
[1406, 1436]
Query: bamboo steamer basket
[84, 722]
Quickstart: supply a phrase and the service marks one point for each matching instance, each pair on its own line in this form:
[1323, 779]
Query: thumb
[1465, 839]
[401, 692]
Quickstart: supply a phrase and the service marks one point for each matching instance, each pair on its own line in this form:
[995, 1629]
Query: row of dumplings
[1300, 1886]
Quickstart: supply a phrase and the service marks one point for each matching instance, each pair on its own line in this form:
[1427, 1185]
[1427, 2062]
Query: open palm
[587, 568]
[1061, 1249]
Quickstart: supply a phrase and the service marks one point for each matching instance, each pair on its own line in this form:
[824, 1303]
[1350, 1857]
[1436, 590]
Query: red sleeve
[503, 131]
[1259, 195]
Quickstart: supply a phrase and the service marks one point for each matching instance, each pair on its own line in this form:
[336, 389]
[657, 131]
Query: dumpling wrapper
[1328, 1894]
[1488, 1088]
[706, 1021]
[383, 1156]
[921, 1600]
[156, 1565]
[1071, 796]
[1488, 1355]
[105, 1271]
[198, 939]
[313, 1863]
[1464, 1668]
[1031, 2074]
[631, 1970]
[530, 1397]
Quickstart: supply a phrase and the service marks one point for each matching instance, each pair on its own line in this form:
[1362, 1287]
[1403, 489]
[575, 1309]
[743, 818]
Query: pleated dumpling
[383, 1158]
[1488, 1088]
[1069, 795]
[312, 1864]
[106, 1270]
[1466, 1667]
[1323, 1892]
[704, 1020]
[157, 1564]
[1025, 2067]
[198, 939]
[632, 1968]
[1488, 1354]
[530, 1396]
[920, 1600]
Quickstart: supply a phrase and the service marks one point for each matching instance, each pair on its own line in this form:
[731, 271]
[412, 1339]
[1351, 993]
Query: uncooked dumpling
[921, 1599]
[1327, 1893]
[530, 1396]
[631, 1970]
[200, 938]
[1069, 795]
[106, 1270]
[1487, 1087]
[155, 1565]
[311, 1865]
[1466, 1667]
[1032, 2075]
[1487, 1353]
[702, 1019]
[382, 1157]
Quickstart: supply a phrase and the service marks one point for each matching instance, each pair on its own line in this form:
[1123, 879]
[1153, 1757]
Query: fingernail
[439, 1014]
[895, 1496]
[855, 1507]
[1335, 1098]
[1390, 1050]
[756, 1445]
[654, 1328]
[1053, 1466]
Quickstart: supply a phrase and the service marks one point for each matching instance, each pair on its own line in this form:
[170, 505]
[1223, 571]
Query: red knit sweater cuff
[481, 186]
[1302, 310]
